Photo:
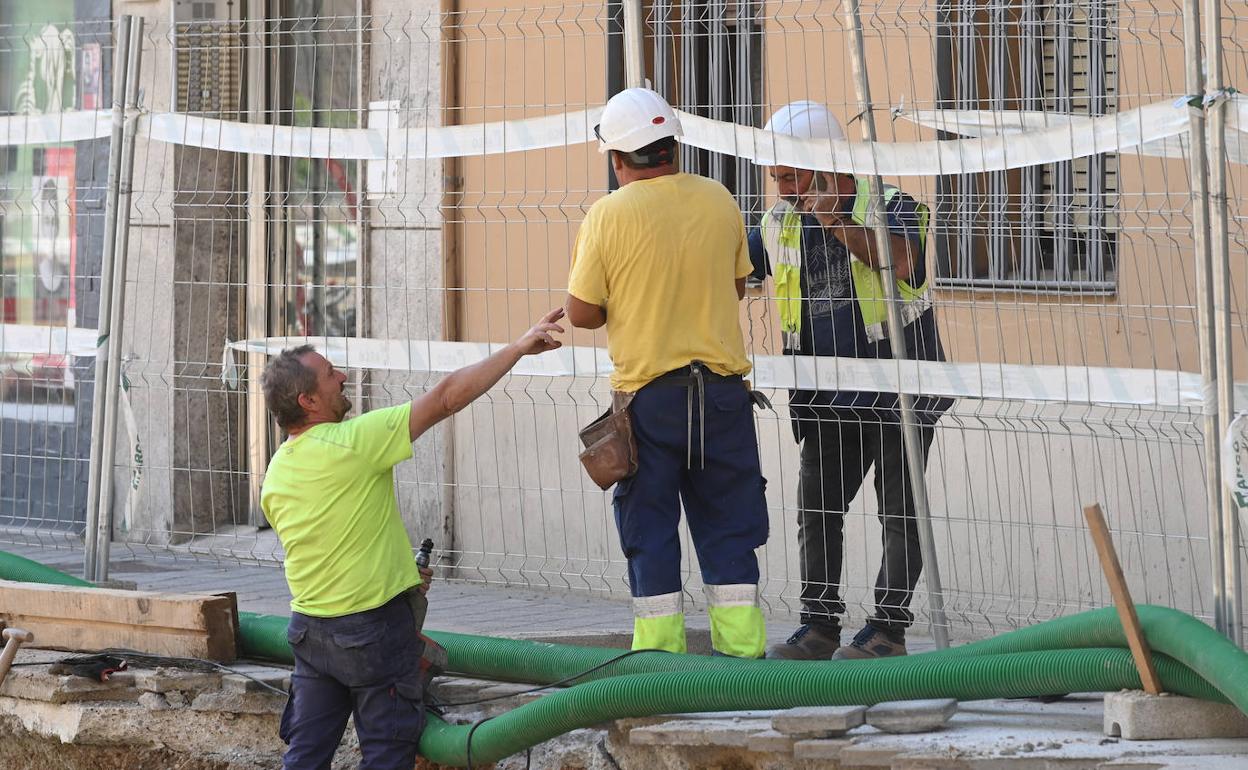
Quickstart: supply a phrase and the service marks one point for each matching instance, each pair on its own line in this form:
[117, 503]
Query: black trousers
[836, 454]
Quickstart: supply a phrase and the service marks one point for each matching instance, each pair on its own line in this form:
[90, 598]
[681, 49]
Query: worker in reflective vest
[830, 298]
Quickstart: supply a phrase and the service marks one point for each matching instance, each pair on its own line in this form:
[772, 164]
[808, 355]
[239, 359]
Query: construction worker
[662, 263]
[329, 494]
[830, 296]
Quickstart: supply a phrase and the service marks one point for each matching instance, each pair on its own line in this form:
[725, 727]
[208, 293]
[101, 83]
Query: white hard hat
[805, 120]
[634, 118]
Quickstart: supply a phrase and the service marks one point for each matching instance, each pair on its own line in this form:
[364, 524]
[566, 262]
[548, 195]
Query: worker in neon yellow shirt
[329, 494]
[662, 264]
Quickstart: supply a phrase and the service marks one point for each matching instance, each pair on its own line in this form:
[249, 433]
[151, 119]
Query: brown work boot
[872, 642]
[808, 642]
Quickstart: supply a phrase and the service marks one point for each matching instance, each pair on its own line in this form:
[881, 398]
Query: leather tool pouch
[610, 448]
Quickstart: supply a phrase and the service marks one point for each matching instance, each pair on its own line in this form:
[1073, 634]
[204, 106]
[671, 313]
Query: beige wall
[1006, 479]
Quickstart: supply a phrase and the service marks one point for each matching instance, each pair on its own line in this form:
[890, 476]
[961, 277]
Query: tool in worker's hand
[13, 638]
[426, 550]
[416, 598]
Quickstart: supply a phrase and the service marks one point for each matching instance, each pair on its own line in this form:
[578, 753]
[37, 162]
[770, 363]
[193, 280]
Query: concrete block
[866, 755]
[153, 701]
[167, 679]
[698, 732]
[821, 748]
[255, 681]
[239, 703]
[38, 685]
[1137, 716]
[911, 716]
[818, 721]
[771, 742]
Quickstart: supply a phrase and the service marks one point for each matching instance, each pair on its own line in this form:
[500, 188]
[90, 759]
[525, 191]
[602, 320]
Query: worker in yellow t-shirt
[329, 494]
[662, 263]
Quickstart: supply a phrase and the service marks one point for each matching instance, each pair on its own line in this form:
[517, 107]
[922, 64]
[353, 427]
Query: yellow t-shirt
[662, 256]
[329, 494]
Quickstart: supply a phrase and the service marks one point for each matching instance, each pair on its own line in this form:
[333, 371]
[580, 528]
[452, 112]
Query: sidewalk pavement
[463, 607]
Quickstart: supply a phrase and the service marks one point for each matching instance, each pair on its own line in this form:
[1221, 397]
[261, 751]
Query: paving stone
[36, 683]
[167, 679]
[818, 721]
[1135, 715]
[771, 742]
[858, 755]
[821, 748]
[258, 681]
[239, 703]
[698, 732]
[911, 716]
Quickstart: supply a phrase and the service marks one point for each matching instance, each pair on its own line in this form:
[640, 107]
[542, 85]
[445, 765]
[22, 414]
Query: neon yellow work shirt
[662, 256]
[329, 494]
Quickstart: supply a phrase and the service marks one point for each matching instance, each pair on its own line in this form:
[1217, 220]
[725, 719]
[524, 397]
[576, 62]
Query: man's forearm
[463, 386]
[862, 244]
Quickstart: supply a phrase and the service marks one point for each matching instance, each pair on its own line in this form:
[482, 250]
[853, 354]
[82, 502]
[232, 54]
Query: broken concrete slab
[1135, 715]
[254, 682]
[911, 716]
[153, 701]
[36, 684]
[239, 703]
[771, 742]
[698, 732]
[821, 748]
[168, 679]
[818, 721]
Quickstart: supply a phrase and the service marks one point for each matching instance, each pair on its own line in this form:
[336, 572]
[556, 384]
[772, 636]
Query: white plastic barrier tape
[1016, 122]
[1001, 140]
[55, 127]
[1110, 386]
[1158, 388]
[48, 340]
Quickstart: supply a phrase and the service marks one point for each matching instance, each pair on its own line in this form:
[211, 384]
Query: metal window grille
[708, 60]
[1042, 227]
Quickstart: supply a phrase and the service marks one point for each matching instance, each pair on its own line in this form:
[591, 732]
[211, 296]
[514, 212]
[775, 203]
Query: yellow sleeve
[587, 280]
[381, 436]
[744, 266]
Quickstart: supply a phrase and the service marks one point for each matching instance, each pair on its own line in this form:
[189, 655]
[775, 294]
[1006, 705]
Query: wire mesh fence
[403, 189]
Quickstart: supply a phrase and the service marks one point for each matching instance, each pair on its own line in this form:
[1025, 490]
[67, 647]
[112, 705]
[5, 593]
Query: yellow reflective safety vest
[781, 229]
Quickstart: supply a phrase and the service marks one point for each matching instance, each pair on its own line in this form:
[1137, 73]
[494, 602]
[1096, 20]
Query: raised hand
[539, 339]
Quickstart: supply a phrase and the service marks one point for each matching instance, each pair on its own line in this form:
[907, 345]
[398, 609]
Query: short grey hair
[284, 380]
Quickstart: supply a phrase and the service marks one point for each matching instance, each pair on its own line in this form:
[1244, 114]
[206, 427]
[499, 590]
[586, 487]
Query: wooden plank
[88, 619]
[1122, 598]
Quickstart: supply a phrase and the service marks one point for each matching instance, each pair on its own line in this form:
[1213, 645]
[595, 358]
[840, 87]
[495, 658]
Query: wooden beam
[89, 619]
[1122, 598]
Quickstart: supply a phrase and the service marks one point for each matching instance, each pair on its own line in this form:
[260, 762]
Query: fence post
[121, 56]
[634, 45]
[1204, 306]
[896, 332]
[117, 318]
[1220, 276]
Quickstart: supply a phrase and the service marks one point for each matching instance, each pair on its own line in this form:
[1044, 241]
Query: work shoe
[808, 642]
[872, 642]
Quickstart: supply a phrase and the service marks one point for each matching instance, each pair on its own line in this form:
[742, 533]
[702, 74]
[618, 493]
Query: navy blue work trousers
[710, 464]
[365, 665]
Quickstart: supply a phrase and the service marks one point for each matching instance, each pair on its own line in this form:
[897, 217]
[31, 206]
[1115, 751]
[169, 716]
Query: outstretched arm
[463, 386]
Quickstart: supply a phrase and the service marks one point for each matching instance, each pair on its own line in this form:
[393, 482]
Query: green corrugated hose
[1079, 653]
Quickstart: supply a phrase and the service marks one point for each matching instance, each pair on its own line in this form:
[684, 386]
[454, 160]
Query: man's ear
[307, 401]
[616, 164]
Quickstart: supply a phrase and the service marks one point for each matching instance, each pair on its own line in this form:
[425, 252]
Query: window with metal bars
[708, 60]
[1048, 227]
[208, 55]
